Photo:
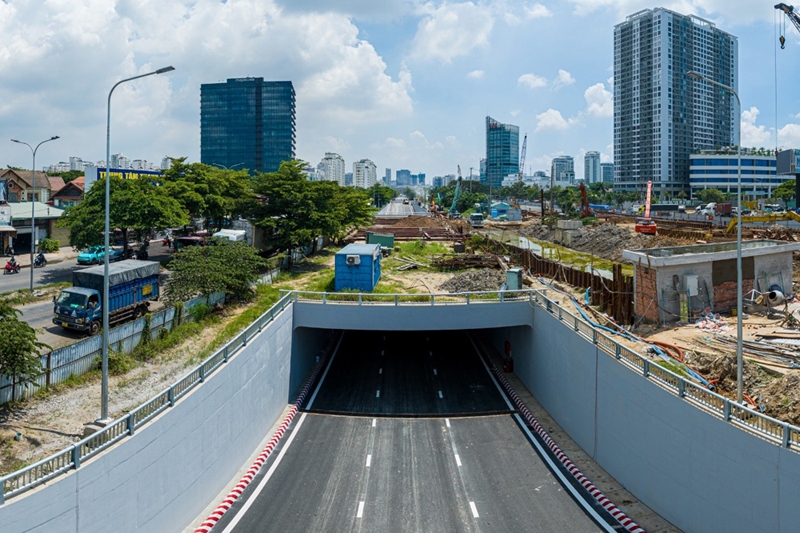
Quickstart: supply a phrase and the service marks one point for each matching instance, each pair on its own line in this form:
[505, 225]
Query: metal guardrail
[406, 299]
[69, 458]
[775, 431]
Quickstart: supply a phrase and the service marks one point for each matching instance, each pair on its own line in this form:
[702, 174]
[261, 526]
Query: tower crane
[793, 16]
[522, 158]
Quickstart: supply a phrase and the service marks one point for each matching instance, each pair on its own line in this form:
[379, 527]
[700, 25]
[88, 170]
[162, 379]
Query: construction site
[670, 296]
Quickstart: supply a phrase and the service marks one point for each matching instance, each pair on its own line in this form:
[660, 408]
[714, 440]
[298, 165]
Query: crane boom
[793, 16]
[453, 209]
[521, 172]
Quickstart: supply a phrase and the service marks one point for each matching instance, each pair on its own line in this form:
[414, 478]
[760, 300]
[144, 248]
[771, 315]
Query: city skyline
[372, 81]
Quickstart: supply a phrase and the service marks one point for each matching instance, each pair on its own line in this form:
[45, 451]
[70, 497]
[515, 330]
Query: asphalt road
[399, 209]
[448, 467]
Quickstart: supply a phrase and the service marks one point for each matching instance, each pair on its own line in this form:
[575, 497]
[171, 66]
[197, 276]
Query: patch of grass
[24, 297]
[320, 282]
[121, 363]
[161, 345]
[673, 367]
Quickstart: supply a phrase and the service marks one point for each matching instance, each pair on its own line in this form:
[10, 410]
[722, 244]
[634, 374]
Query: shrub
[49, 245]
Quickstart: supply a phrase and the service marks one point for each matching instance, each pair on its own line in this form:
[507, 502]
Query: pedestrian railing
[775, 431]
[71, 458]
[412, 299]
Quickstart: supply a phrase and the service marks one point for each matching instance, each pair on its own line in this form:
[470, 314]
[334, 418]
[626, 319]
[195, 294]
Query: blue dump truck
[132, 284]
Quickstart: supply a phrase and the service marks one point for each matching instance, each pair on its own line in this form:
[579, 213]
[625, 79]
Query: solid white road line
[360, 512]
[588, 507]
[440, 394]
[324, 374]
[374, 420]
[381, 352]
[458, 460]
[447, 421]
[474, 509]
[434, 372]
[380, 371]
[378, 393]
[369, 460]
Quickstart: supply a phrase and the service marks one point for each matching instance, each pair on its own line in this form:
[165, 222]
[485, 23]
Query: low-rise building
[19, 186]
[70, 194]
[719, 169]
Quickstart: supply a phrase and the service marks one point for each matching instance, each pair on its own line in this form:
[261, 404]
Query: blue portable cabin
[358, 266]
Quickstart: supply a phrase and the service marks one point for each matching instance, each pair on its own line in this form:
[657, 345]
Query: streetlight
[33, 196]
[104, 393]
[739, 371]
[227, 168]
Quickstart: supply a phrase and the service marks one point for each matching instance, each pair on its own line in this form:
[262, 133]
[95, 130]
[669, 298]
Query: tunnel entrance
[407, 374]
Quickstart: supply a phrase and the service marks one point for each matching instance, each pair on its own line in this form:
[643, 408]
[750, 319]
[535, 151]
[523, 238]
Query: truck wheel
[95, 328]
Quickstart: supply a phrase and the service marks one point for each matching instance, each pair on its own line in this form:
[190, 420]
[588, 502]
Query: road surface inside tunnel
[407, 432]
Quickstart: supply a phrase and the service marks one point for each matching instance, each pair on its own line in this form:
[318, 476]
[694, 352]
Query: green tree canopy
[785, 191]
[381, 194]
[68, 175]
[229, 267]
[136, 205]
[711, 195]
[19, 349]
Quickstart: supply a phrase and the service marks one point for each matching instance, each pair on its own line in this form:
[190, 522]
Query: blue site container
[358, 267]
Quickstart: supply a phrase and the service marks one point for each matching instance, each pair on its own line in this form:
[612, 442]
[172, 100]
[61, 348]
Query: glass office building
[720, 170]
[247, 123]
[502, 152]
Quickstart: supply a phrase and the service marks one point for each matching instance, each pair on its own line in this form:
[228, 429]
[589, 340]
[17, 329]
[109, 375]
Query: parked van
[233, 235]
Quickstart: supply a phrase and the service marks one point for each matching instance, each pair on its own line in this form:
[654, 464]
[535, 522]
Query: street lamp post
[104, 392]
[739, 370]
[227, 168]
[33, 196]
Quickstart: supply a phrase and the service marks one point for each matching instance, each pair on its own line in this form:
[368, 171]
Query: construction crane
[522, 158]
[793, 16]
[585, 210]
[454, 214]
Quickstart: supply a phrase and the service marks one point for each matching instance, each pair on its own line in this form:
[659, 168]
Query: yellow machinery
[789, 215]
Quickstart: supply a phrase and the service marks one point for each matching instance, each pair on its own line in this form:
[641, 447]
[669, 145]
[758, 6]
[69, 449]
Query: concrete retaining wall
[164, 476]
[698, 472]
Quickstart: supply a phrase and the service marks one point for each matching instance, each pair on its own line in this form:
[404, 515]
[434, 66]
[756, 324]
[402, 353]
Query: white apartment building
[562, 171]
[333, 168]
[365, 174]
[166, 163]
[591, 168]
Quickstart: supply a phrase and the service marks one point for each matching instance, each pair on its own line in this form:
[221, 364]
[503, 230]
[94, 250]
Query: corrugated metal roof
[358, 249]
[22, 210]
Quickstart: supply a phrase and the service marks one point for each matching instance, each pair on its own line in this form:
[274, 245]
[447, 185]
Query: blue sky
[406, 83]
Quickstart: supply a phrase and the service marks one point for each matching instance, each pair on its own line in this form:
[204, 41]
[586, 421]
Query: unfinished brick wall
[645, 302]
[725, 294]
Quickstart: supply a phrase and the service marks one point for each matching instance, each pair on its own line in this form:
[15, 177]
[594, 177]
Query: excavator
[777, 217]
[585, 210]
[793, 16]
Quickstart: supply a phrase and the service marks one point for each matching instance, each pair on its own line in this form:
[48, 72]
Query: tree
[68, 175]
[19, 349]
[228, 267]
[136, 205]
[711, 195]
[381, 194]
[408, 192]
[207, 191]
[784, 191]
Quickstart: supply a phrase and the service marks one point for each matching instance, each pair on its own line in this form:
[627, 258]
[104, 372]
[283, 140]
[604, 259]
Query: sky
[405, 83]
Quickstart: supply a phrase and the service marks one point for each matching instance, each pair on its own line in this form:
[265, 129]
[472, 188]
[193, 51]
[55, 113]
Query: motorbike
[166, 241]
[12, 267]
[40, 261]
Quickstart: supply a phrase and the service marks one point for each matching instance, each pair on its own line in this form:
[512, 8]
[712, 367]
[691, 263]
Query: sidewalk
[66, 252]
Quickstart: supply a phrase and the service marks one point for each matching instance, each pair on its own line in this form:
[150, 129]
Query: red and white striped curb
[237, 491]
[601, 498]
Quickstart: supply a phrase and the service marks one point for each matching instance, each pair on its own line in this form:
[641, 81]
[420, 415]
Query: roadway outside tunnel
[406, 432]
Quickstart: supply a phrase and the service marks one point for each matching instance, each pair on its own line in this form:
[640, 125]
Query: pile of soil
[781, 398]
[604, 240]
[474, 280]
[419, 221]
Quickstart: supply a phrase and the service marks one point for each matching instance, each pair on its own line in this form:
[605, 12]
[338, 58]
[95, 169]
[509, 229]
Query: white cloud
[451, 30]
[418, 139]
[552, 120]
[563, 79]
[532, 81]
[529, 12]
[334, 144]
[753, 134]
[789, 136]
[515, 112]
[535, 11]
[727, 11]
[599, 101]
[453, 142]
[475, 74]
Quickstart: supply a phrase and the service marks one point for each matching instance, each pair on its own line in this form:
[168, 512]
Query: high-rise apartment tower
[660, 114]
[247, 123]
[502, 152]
[591, 168]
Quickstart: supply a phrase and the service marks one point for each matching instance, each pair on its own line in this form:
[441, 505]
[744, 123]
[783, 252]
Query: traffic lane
[317, 484]
[39, 316]
[52, 273]
[513, 489]
[397, 374]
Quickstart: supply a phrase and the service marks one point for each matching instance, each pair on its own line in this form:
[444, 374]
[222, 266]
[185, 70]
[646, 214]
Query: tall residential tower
[247, 123]
[660, 114]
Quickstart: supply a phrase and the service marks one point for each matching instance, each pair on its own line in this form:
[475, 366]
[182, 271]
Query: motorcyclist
[40, 259]
[12, 262]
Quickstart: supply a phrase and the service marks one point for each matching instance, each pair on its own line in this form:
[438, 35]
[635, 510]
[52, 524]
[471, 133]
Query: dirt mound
[474, 280]
[419, 221]
[538, 231]
[781, 399]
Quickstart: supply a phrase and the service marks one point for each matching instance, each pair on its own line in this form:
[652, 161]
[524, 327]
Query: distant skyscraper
[562, 171]
[591, 167]
[247, 123]
[607, 172]
[332, 166]
[387, 177]
[348, 178]
[502, 151]
[364, 174]
[166, 163]
[403, 177]
[660, 114]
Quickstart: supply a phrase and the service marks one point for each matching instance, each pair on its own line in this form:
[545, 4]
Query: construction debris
[465, 261]
[475, 281]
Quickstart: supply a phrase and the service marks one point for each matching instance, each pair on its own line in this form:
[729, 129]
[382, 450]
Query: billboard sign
[94, 173]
